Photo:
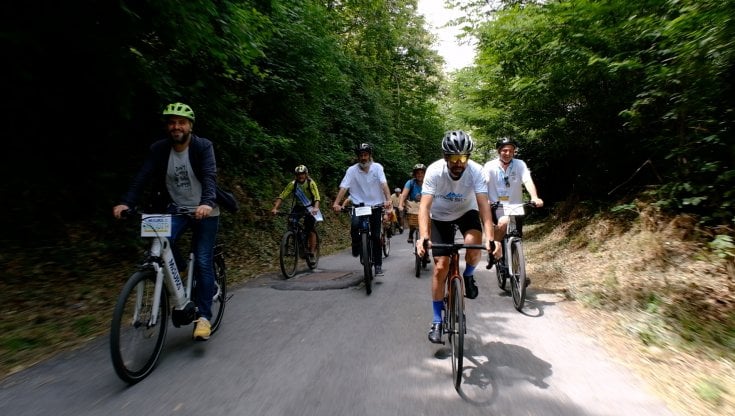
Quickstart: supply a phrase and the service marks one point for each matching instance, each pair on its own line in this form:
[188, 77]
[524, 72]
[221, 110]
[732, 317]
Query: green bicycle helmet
[179, 109]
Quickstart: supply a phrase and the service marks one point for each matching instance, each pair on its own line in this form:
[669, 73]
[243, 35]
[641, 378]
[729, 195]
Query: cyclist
[505, 176]
[368, 186]
[183, 172]
[453, 192]
[410, 198]
[395, 198]
[305, 200]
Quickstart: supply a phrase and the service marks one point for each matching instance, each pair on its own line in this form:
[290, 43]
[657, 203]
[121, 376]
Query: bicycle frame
[161, 259]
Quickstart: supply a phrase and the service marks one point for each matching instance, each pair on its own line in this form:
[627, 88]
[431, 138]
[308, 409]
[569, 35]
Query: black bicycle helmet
[506, 140]
[457, 142]
[364, 147]
[419, 166]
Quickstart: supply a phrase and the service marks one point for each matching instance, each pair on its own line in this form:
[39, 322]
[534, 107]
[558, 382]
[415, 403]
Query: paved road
[317, 345]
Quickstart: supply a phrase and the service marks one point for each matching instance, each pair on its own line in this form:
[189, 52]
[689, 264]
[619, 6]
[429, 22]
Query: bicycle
[386, 233]
[366, 242]
[454, 321]
[512, 248]
[419, 262]
[294, 245]
[140, 318]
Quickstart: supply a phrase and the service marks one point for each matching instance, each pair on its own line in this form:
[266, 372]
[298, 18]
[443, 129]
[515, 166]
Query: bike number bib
[510, 209]
[155, 225]
[361, 211]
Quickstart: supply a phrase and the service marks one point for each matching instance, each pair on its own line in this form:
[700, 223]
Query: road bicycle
[454, 322]
[364, 213]
[512, 265]
[140, 319]
[294, 245]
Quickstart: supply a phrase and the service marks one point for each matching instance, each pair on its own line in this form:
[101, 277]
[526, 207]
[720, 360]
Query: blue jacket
[201, 156]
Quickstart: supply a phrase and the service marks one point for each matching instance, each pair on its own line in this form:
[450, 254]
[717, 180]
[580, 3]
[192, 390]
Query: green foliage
[723, 246]
[274, 84]
[595, 89]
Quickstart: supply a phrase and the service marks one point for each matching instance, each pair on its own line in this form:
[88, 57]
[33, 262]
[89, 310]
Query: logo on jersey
[453, 197]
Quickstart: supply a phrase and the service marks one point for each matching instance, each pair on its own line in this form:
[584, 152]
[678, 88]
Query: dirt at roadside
[628, 284]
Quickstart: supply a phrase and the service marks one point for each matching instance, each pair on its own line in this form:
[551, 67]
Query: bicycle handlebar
[531, 204]
[128, 213]
[351, 207]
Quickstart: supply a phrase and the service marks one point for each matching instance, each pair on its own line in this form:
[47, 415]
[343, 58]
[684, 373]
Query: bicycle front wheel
[456, 331]
[220, 297]
[367, 264]
[289, 255]
[517, 274]
[136, 342]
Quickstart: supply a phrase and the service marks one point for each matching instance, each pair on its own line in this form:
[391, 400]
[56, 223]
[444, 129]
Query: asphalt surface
[318, 345]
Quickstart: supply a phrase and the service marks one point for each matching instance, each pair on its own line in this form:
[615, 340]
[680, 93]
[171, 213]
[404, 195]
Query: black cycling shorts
[443, 232]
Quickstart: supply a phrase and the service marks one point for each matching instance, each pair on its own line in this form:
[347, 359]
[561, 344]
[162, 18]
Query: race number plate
[155, 225]
[360, 211]
[512, 209]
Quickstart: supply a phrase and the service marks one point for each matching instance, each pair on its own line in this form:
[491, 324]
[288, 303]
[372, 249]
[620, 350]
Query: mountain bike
[454, 322]
[512, 265]
[365, 238]
[294, 245]
[140, 319]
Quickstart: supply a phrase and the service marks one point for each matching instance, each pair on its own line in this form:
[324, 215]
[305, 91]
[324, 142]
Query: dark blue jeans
[204, 234]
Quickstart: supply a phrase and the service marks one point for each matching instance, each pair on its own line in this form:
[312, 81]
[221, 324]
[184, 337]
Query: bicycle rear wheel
[367, 264]
[312, 264]
[289, 255]
[517, 274]
[456, 331]
[136, 344]
[220, 279]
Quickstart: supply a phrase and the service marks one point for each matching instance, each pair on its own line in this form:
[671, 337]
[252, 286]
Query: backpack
[410, 190]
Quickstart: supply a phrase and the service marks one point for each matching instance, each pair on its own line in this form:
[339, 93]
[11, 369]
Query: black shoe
[470, 289]
[378, 270]
[528, 281]
[435, 333]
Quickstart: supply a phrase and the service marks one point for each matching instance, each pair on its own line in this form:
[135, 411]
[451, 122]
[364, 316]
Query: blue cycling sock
[469, 271]
[438, 306]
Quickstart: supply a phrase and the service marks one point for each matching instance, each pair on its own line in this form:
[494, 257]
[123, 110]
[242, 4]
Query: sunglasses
[458, 158]
[507, 182]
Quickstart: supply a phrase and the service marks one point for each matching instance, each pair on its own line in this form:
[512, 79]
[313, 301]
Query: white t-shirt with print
[453, 198]
[517, 173]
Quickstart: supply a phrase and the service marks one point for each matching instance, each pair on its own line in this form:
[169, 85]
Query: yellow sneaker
[202, 329]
